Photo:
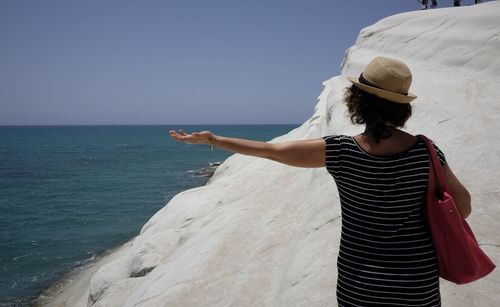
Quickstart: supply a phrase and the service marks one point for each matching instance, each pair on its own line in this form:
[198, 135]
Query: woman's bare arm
[303, 153]
[458, 191]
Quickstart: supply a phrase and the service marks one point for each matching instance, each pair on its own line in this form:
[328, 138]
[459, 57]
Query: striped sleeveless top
[386, 256]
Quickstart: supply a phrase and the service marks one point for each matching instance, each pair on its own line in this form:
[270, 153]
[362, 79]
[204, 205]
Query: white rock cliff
[265, 234]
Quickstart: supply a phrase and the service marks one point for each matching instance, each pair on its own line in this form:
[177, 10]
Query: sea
[70, 193]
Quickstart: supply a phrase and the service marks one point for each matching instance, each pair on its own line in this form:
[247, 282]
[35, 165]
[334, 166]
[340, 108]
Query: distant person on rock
[386, 255]
[423, 3]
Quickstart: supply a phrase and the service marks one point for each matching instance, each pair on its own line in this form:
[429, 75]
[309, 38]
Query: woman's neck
[380, 124]
[379, 131]
[397, 142]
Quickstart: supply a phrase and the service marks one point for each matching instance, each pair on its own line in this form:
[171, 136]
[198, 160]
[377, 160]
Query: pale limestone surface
[265, 234]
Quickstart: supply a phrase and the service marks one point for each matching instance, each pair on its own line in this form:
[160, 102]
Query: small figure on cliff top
[424, 4]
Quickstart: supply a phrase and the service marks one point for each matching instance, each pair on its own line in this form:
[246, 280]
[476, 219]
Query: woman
[386, 256]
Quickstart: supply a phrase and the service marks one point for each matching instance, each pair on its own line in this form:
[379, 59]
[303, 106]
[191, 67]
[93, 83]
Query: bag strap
[436, 165]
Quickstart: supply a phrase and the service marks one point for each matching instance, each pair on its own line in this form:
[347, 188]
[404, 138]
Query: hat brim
[388, 95]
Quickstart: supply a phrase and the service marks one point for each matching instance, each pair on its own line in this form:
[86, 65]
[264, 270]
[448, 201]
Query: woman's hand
[203, 137]
[302, 153]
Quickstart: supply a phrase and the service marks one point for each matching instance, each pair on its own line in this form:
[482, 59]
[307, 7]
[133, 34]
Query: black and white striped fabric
[386, 256]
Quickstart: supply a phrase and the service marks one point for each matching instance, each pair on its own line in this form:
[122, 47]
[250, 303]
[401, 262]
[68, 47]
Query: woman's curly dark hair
[366, 108]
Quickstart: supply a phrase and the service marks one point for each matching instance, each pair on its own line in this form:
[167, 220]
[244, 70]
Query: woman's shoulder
[440, 153]
[336, 137]
[337, 141]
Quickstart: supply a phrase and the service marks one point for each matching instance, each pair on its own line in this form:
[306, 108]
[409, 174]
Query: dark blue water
[68, 193]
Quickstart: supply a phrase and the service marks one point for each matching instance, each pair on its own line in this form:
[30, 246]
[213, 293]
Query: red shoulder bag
[460, 259]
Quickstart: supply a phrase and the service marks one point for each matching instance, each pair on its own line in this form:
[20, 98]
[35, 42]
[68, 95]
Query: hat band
[362, 80]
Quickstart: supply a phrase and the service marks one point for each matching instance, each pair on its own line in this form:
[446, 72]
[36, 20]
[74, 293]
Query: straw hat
[386, 78]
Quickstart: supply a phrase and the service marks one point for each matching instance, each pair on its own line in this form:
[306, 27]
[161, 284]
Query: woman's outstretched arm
[303, 153]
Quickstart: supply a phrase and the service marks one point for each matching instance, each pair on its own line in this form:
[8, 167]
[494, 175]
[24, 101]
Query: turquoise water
[68, 193]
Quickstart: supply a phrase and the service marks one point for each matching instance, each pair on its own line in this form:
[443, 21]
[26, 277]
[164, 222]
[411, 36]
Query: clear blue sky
[174, 62]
